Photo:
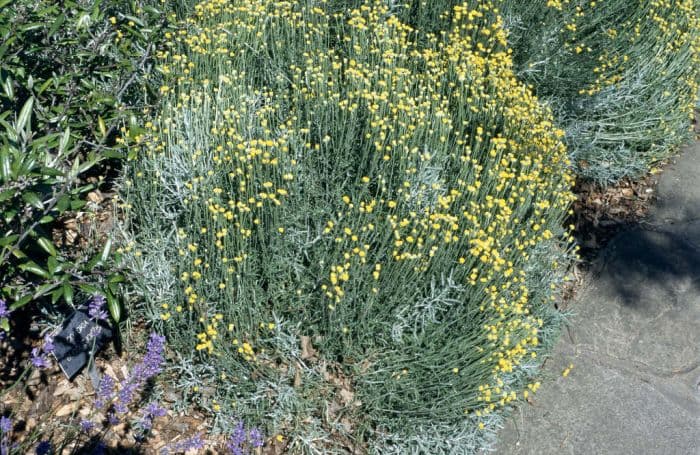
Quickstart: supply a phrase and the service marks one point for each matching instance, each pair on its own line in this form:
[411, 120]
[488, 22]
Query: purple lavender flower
[255, 437]
[44, 448]
[5, 424]
[241, 441]
[87, 425]
[48, 344]
[5, 428]
[96, 308]
[196, 442]
[237, 440]
[155, 410]
[150, 366]
[38, 360]
[112, 419]
[4, 313]
[104, 391]
[151, 411]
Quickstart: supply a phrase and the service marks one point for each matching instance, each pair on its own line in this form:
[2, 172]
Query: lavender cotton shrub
[622, 76]
[350, 228]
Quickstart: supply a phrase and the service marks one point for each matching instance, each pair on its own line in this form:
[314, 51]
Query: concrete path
[634, 342]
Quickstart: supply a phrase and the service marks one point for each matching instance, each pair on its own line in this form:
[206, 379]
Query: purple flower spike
[112, 419]
[241, 441]
[48, 344]
[155, 410]
[38, 360]
[104, 391]
[4, 313]
[150, 366]
[5, 424]
[255, 437]
[87, 426]
[151, 411]
[196, 442]
[96, 308]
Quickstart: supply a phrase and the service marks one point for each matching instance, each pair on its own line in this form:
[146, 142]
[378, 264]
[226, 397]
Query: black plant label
[79, 340]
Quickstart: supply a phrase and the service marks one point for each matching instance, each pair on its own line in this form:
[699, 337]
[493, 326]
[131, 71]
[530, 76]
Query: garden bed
[369, 252]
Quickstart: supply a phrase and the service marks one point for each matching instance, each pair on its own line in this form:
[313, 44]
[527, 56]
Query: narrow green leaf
[88, 288]
[5, 324]
[115, 154]
[63, 145]
[8, 240]
[34, 268]
[85, 166]
[115, 310]
[68, 293]
[8, 88]
[56, 24]
[19, 254]
[50, 172]
[44, 289]
[24, 115]
[46, 245]
[63, 203]
[21, 302]
[106, 250]
[116, 278]
[136, 20]
[44, 86]
[5, 168]
[32, 198]
[55, 295]
[101, 125]
[52, 265]
[10, 130]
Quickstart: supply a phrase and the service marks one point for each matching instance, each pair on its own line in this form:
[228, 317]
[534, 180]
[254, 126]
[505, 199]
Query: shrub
[350, 229]
[72, 76]
[622, 76]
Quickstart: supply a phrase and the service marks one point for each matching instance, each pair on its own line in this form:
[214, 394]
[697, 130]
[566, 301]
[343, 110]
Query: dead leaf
[63, 387]
[347, 396]
[67, 409]
[95, 196]
[307, 349]
[71, 224]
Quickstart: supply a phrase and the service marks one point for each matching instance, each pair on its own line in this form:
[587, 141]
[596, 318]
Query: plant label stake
[79, 340]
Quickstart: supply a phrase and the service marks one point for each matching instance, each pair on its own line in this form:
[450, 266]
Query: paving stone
[678, 191]
[634, 342]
